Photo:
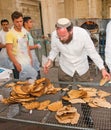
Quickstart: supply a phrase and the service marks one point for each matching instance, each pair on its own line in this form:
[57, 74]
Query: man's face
[5, 26]
[29, 24]
[64, 36]
[18, 23]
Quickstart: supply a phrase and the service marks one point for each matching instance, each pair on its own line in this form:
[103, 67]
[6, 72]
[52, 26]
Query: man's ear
[71, 32]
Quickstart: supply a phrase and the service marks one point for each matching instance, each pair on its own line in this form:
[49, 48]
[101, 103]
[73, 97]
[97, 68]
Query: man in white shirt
[4, 59]
[73, 44]
[28, 24]
[108, 46]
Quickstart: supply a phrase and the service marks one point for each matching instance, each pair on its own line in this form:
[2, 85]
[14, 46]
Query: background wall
[27, 7]
[46, 12]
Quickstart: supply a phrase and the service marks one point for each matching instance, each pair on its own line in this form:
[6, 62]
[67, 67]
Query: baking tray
[90, 118]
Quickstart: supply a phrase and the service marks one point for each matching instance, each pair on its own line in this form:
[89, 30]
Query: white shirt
[2, 41]
[4, 59]
[73, 56]
[108, 46]
[35, 60]
[2, 36]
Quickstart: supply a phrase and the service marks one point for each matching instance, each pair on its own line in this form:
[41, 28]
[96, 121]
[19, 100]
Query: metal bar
[46, 124]
[46, 117]
[82, 83]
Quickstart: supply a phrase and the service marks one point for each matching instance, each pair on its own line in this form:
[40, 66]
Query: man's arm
[35, 47]
[90, 48]
[29, 52]
[12, 57]
[2, 45]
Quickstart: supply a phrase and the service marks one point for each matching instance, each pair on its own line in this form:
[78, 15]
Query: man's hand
[18, 67]
[105, 74]
[47, 66]
[38, 46]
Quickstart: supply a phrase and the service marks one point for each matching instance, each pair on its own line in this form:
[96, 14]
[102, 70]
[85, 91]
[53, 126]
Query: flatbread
[32, 105]
[92, 105]
[101, 102]
[66, 98]
[91, 92]
[10, 85]
[77, 100]
[39, 93]
[55, 106]
[103, 94]
[76, 93]
[67, 114]
[103, 81]
[18, 89]
[44, 105]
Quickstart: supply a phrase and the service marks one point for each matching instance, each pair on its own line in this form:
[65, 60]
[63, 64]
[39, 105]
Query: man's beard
[68, 40]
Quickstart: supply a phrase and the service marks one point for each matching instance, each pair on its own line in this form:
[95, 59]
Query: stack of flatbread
[67, 114]
[24, 91]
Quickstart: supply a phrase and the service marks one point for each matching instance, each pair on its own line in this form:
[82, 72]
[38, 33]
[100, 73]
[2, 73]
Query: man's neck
[27, 28]
[5, 30]
[18, 30]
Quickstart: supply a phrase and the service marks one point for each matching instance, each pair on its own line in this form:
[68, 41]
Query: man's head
[5, 24]
[27, 22]
[64, 28]
[17, 19]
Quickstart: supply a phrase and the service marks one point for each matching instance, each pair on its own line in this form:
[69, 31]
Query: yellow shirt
[12, 38]
[19, 42]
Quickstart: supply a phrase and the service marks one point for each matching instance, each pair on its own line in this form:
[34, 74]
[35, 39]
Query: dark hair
[26, 19]
[69, 28]
[4, 20]
[16, 15]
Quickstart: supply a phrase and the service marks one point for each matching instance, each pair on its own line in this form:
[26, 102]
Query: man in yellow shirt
[18, 49]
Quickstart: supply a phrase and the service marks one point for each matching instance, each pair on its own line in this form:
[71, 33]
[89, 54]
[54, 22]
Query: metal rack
[90, 118]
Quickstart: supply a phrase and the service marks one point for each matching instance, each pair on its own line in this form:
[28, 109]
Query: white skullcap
[63, 22]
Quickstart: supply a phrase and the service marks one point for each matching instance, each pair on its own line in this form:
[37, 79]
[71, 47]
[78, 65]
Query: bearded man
[74, 46]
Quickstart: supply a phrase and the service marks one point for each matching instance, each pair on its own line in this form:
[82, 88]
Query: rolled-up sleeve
[92, 53]
[54, 49]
